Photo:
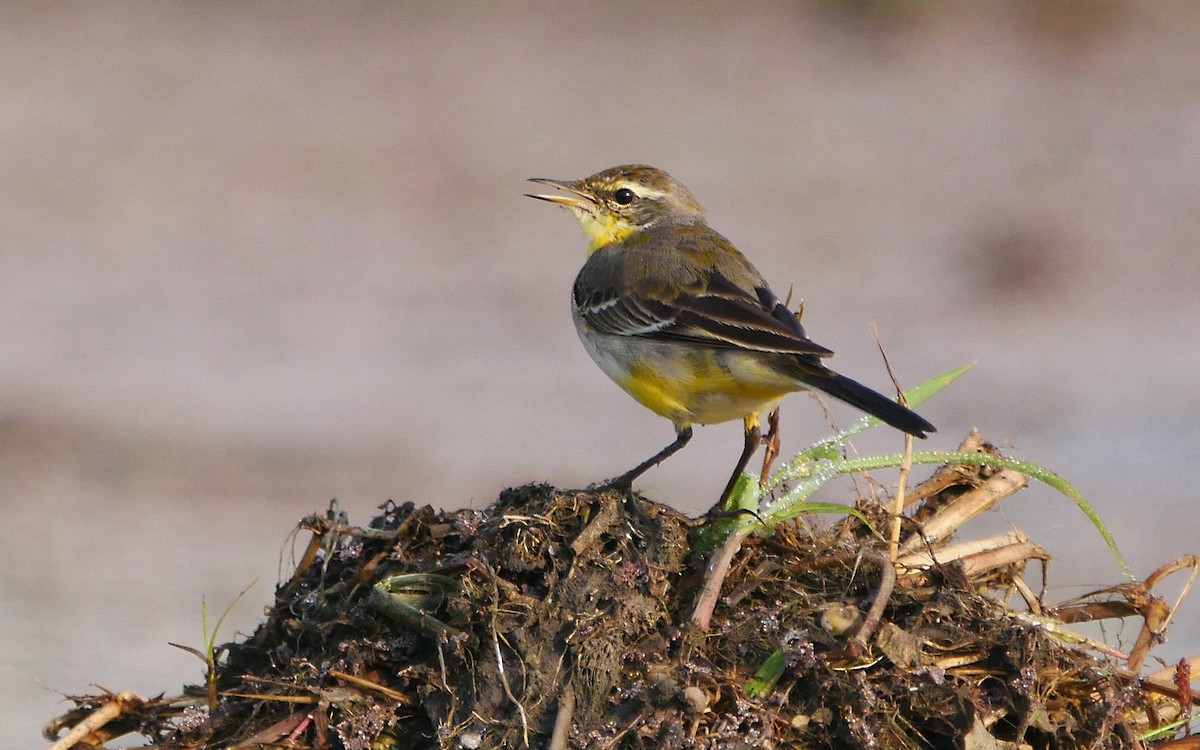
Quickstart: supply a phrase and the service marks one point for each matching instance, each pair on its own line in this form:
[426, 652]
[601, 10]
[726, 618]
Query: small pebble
[696, 700]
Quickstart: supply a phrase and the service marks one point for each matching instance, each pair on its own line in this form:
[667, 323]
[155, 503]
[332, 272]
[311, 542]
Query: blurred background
[259, 256]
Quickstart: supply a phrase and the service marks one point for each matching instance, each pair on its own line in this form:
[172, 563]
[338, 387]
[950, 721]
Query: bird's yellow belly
[703, 396]
[687, 383]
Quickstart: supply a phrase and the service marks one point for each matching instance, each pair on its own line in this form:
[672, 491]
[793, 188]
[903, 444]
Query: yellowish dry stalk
[963, 508]
[117, 704]
[978, 556]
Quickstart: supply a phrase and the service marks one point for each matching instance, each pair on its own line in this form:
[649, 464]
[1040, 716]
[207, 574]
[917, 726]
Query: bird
[682, 321]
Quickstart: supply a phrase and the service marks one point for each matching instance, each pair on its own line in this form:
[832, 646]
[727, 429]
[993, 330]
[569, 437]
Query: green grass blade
[767, 675]
[787, 505]
[828, 447]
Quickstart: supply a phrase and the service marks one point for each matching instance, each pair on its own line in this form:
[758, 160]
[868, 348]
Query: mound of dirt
[562, 619]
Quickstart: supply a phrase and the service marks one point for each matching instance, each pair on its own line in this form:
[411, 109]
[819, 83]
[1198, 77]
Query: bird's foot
[717, 513]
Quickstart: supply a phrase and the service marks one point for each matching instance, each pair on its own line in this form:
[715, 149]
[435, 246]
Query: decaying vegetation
[562, 619]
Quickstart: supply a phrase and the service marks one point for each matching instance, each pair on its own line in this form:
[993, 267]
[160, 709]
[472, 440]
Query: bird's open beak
[578, 198]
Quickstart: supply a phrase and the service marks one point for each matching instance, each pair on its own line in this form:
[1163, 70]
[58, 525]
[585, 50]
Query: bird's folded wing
[719, 314]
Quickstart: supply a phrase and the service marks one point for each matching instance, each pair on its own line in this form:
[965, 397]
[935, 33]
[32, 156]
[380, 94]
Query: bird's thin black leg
[753, 440]
[625, 481]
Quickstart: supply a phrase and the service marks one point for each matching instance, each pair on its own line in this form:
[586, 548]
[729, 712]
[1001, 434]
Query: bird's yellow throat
[603, 228]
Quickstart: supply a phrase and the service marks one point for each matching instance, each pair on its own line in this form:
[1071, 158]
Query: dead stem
[562, 720]
[116, 705]
[897, 509]
[861, 641]
[715, 573]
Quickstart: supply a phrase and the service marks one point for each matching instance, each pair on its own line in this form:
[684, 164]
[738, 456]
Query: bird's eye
[624, 196]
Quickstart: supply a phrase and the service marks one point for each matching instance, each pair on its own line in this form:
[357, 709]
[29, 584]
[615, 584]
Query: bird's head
[613, 204]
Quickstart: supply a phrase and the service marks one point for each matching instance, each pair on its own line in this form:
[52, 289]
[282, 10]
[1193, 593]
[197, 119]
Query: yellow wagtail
[675, 315]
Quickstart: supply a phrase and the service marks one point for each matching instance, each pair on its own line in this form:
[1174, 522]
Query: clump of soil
[562, 619]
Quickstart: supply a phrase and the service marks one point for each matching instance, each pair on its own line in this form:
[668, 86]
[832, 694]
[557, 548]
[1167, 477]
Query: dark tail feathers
[876, 404]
